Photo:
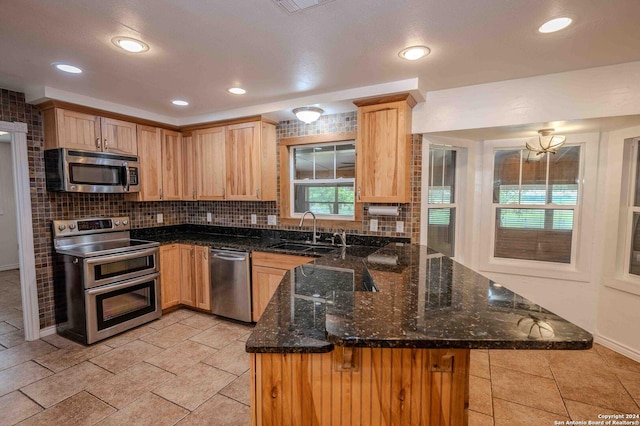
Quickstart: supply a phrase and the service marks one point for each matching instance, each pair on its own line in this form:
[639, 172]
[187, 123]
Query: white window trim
[580, 267]
[293, 181]
[627, 210]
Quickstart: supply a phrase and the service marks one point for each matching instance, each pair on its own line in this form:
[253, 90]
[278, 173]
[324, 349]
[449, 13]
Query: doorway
[17, 140]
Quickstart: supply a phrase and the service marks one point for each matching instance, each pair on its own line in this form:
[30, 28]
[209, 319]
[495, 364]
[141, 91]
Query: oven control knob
[72, 226]
[62, 227]
[125, 222]
[117, 223]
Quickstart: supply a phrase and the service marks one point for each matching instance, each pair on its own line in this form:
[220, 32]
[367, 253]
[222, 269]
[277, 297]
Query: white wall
[8, 220]
[598, 298]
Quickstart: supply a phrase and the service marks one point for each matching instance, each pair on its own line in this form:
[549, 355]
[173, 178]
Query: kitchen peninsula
[384, 336]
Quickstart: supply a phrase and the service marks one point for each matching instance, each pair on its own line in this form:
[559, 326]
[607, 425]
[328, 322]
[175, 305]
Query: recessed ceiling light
[555, 25]
[130, 44]
[3, 133]
[67, 68]
[237, 91]
[180, 102]
[414, 53]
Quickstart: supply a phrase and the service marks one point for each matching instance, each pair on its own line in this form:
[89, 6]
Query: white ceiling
[316, 56]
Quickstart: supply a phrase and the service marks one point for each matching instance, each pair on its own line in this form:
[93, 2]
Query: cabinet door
[264, 283]
[188, 168]
[202, 278]
[187, 289]
[77, 131]
[150, 147]
[170, 272]
[118, 136]
[171, 166]
[210, 163]
[382, 154]
[243, 161]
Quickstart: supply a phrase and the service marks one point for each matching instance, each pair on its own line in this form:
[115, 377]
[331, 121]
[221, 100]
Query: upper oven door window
[109, 269]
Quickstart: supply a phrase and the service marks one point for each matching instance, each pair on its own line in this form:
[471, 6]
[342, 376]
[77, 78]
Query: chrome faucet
[343, 237]
[315, 234]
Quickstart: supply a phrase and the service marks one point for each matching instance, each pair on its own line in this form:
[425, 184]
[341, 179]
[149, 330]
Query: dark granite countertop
[379, 293]
[423, 300]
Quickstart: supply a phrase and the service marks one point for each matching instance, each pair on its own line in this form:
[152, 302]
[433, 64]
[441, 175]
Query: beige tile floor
[191, 369]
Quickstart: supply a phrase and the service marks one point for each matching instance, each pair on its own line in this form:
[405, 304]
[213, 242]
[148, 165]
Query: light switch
[209, 217]
[271, 219]
[160, 218]
[399, 226]
[373, 225]
[254, 219]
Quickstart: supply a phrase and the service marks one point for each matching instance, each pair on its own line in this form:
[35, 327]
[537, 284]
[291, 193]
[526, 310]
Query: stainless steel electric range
[105, 282]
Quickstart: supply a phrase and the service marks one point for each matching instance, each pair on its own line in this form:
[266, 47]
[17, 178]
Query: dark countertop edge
[256, 349]
[463, 344]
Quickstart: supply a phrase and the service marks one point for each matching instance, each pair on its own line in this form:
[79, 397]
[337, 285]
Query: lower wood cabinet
[184, 276]
[267, 272]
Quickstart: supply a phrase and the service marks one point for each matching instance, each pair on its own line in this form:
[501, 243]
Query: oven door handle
[124, 256]
[108, 288]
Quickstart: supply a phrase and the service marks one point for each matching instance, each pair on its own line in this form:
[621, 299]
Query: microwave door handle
[127, 178]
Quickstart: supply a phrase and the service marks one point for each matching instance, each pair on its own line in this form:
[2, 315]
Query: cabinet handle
[258, 193]
[223, 190]
[359, 197]
[98, 145]
[106, 146]
[160, 191]
[194, 194]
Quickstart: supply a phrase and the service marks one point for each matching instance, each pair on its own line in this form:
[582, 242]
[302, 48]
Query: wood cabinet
[383, 149]
[160, 153]
[170, 275]
[76, 130]
[251, 161]
[184, 276]
[188, 168]
[210, 163]
[267, 272]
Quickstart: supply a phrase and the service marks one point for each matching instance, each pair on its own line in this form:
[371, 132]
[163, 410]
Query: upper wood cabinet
[251, 162]
[189, 192]
[210, 163]
[160, 156]
[88, 132]
[171, 165]
[383, 149]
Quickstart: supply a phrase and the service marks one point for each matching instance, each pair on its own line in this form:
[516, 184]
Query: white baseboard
[9, 267]
[48, 331]
[618, 347]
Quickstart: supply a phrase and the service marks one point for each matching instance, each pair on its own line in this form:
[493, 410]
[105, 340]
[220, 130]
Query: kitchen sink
[306, 248]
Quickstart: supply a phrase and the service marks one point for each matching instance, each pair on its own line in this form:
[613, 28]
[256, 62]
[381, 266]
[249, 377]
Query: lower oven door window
[122, 303]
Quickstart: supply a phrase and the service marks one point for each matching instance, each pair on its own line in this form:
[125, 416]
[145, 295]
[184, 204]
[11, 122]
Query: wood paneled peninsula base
[330, 351]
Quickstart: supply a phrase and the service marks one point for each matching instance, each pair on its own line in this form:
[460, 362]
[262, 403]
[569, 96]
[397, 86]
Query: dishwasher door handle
[234, 258]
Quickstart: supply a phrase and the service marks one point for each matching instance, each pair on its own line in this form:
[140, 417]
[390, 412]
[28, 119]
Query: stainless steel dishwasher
[230, 284]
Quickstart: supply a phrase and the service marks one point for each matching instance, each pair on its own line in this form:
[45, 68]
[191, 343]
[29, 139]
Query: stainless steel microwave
[69, 170]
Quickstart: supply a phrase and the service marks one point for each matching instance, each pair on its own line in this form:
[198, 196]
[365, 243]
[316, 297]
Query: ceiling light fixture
[414, 53]
[180, 102]
[130, 44]
[547, 142]
[67, 68]
[554, 25]
[237, 91]
[308, 114]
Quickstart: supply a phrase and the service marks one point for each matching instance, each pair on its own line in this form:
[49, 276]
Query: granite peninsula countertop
[423, 300]
[378, 293]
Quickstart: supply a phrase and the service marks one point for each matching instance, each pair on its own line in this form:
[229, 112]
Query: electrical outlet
[254, 219]
[271, 219]
[373, 225]
[160, 218]
[399, 226]
[209, 217]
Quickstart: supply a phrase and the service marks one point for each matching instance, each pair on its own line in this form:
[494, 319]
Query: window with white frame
[634, 215]
[536, 202]
[323, 180]
[442, 200]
